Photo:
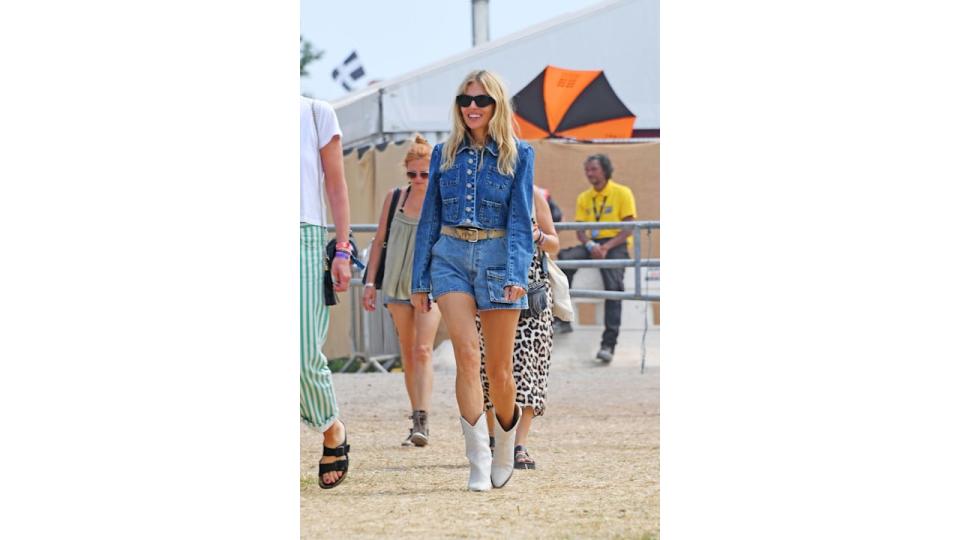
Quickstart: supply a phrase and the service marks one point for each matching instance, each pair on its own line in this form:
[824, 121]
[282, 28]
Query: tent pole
[380, 115]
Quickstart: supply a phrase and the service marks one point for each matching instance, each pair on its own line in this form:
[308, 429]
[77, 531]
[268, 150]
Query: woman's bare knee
[422, 354]
[500, 376]
[466, 347]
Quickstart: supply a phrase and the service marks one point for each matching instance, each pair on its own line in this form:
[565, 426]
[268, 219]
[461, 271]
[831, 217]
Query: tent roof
[621, 37]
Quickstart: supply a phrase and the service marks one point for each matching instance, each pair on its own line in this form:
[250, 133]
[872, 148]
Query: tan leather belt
[472, 235]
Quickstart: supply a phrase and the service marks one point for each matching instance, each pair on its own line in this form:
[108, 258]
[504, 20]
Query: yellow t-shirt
[613, 203]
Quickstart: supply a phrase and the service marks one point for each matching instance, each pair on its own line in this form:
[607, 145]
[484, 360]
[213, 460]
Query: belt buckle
[472, 235]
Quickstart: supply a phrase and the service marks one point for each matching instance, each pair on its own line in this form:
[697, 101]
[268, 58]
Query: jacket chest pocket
[450, 182]
[498, 184]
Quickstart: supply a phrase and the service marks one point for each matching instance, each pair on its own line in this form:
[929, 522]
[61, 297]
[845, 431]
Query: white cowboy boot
[478, 453]
[502, 468]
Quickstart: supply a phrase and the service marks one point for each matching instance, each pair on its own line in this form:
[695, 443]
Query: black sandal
[342, 450]
[521, 459]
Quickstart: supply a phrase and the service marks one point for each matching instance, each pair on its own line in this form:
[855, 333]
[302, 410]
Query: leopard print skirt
[531, 353]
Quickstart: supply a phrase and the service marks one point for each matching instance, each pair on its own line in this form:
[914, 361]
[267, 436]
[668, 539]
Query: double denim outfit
[473, 194]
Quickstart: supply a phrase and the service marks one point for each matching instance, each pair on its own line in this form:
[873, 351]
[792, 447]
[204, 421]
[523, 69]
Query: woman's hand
[512, 293]
[340, 274]
[420, 301]
[536, 232]
[369, 298]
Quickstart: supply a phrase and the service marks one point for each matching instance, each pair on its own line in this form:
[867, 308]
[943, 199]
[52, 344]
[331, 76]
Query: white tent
[621, 37]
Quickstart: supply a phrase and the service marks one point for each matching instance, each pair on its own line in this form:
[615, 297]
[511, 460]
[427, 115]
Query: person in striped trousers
[321, 171]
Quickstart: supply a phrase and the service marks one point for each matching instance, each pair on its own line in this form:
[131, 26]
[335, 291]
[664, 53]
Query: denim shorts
[476, 268]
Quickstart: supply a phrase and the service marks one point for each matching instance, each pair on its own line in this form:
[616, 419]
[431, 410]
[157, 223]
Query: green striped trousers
[318, 404]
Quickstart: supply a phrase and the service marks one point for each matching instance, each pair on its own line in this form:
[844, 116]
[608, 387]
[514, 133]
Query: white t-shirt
[318, 125]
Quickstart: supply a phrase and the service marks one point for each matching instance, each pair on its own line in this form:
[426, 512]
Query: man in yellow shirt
[607, 201]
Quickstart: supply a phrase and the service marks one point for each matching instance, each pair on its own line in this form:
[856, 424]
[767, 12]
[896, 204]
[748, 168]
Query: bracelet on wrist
[344, 245]
[342, 255]
[365, 285]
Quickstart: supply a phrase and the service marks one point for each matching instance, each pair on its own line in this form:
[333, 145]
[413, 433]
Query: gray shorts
[392, 300]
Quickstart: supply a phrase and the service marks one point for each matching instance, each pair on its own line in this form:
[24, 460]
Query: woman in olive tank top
[416, 331]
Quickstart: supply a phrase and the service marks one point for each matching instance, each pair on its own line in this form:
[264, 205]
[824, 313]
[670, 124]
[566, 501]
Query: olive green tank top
[398, 272]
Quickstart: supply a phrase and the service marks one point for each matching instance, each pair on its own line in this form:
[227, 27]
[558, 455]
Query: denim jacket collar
[491, 146]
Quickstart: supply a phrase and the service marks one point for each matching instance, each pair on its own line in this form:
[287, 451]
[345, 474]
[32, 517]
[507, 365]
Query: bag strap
[386, 235]
[406, 195]
[393, 209]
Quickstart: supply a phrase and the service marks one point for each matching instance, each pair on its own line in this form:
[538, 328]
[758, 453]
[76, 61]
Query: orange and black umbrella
[575, 104]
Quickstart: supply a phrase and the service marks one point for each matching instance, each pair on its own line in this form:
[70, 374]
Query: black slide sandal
[342, 450]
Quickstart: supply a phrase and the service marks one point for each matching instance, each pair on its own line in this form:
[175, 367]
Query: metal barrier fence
[366, 331]
[637, 262]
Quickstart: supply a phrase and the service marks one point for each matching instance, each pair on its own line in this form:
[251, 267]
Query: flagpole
[481, 21]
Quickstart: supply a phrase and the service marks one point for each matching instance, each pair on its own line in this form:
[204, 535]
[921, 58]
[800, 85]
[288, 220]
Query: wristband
[590, 245]
[541, 238]
[345, 246]
[365, 285]
[342, 255]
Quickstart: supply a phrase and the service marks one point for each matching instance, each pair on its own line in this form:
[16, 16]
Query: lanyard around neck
[598, 213]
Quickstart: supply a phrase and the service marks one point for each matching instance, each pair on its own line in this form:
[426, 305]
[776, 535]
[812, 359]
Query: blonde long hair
[502, 126]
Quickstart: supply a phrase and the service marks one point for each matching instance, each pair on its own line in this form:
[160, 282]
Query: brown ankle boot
[420, 433]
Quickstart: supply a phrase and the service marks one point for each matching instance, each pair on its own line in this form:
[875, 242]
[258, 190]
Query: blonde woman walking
[473, 250]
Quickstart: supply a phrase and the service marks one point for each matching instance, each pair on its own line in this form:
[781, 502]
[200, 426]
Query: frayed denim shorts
[476, 268]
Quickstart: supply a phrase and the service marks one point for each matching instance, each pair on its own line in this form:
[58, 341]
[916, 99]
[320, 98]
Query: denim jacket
[473, 193]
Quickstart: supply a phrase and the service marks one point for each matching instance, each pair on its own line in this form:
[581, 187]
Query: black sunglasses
[411, 175]
[482, 100]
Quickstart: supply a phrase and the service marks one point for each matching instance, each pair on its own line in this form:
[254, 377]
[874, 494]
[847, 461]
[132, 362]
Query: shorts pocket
[496, 279]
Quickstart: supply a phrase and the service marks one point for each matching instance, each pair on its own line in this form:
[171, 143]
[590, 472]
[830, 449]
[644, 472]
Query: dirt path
[597, 451]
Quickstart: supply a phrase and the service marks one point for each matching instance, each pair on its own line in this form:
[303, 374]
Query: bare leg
[459, 310]
[425, 332]
[499, 332]
[403, 320]
[524, 428]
